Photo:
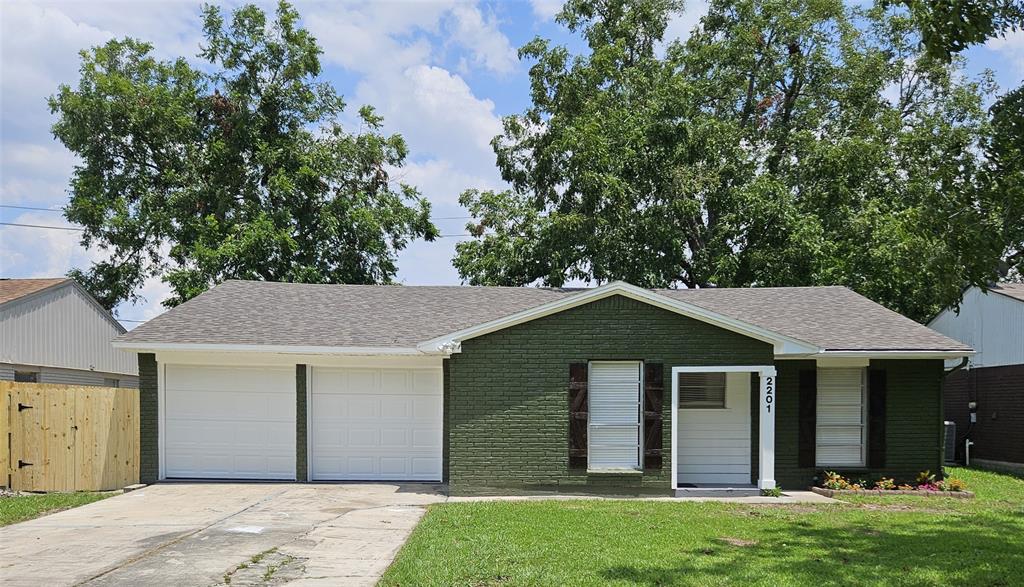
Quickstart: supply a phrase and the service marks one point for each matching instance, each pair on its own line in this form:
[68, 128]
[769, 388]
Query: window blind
[614, 425]
[841, 418]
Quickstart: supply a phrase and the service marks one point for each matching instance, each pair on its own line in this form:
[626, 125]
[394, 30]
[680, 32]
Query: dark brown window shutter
[578, 415]
[808, 417]
[877, 389]
[654, 399]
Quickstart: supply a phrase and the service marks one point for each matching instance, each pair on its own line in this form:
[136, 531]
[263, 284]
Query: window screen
[841, 418]
[702, 390]
[614, 414]
[110, 382]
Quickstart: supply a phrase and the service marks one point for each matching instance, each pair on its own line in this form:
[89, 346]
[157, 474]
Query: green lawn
[25, 507]
[865, 541]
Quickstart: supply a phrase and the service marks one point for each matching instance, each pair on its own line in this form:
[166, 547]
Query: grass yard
[864, 541]
[18, 508]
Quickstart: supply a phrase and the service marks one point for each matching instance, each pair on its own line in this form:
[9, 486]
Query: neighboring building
[53, 331]
[494, 389]
[993, 380]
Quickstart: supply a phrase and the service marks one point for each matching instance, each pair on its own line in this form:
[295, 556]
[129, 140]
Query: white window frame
[639, 416]
[862, 463]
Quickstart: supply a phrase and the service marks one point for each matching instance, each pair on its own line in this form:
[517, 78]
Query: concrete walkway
[210, 533]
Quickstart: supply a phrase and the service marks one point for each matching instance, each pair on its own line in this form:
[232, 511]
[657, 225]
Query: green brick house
[614, 389]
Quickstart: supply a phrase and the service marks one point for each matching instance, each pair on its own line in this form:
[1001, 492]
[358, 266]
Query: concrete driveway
[215, 533]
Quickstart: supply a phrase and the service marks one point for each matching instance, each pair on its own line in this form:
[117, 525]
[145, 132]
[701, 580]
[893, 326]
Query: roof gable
[783, 344]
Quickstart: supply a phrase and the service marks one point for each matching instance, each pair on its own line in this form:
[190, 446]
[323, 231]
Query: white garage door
[229, 422]
[376, 424]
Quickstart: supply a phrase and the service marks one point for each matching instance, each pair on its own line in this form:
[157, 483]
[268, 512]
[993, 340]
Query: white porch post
[766, 429]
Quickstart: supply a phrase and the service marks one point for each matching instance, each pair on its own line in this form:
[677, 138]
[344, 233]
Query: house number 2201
[769, 390]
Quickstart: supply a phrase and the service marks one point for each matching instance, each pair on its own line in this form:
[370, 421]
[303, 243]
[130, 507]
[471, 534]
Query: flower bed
[926, 493]
[926, 484]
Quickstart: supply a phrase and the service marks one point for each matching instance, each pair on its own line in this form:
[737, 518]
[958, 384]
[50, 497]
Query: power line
[61, 210]
[79, 229]
[31, 208]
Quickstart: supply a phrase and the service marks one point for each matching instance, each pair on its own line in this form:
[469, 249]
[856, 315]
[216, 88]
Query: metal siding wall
[61, 328]
[79, 377]
[6, 372]
[992, 324]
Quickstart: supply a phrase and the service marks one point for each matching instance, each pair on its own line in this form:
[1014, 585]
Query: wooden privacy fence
[68, 438]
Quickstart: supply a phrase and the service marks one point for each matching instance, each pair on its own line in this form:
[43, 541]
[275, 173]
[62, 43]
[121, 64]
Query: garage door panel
[215, 378]
[376, 424]
[426, 382]
[229, 422]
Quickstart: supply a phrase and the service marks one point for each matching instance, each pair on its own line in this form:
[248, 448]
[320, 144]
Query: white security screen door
[614, 414]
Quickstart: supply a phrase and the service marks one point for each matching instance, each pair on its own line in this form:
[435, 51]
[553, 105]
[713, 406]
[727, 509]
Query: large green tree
[784, 143]
[239, 169]
[950, 26]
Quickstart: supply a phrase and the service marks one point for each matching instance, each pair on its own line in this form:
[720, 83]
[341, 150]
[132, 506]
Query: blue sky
[440, 72]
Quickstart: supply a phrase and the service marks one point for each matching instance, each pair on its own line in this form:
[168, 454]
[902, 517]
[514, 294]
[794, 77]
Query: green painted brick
[913, 422]
[149, 420]
[507, 408]
[301, 474]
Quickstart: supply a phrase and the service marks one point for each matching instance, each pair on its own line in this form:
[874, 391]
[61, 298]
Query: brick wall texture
[913, 422]
[998, 434]
[301, 474]
[508, 392]
[149, 420]
[507, 400]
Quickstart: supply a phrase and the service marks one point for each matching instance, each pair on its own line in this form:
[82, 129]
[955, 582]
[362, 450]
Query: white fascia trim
[262, 348]
[884, 355]
[449, 343]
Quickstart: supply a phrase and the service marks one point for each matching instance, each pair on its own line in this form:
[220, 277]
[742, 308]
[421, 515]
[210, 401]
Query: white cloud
[39, 252]
[546, 9]
[1011, 47]
[490, 47]
[681, 25]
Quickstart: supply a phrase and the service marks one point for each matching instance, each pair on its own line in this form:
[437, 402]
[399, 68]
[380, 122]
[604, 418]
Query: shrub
[834, 480]
[925, 478]
[905, 487]
[953, 484]
[885, 484]
[929, 487]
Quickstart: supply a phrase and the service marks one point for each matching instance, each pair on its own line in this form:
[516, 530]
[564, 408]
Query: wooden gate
[68, 438]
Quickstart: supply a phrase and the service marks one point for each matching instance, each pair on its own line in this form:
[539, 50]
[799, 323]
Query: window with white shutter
[841, 418]
[614, 412]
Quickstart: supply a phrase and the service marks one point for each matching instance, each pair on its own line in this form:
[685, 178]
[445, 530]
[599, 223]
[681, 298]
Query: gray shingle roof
[287, 314]
[1013, 290]
[833, 317]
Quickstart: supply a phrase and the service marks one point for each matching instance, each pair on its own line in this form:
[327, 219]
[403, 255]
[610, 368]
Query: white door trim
[766, 423]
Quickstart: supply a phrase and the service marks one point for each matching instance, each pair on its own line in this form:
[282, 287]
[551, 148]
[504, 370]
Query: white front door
[229, 422]
[376, 424]
[713, 444]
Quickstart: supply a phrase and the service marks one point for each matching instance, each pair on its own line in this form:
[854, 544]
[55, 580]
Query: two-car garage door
[364, 424]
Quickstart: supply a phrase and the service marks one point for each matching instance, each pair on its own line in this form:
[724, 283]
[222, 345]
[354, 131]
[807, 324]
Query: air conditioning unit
[949, 449]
